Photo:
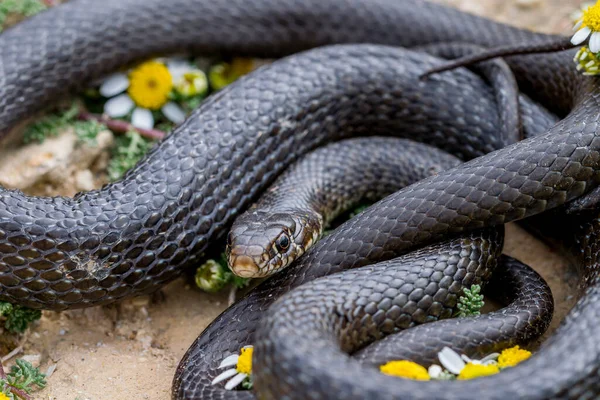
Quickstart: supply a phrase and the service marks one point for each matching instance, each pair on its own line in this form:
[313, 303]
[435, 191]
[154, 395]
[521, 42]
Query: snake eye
[282, 242]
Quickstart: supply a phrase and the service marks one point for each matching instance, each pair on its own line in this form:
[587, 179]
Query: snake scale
[134, 235]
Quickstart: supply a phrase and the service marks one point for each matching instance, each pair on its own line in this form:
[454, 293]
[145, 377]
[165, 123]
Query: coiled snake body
[134, 235]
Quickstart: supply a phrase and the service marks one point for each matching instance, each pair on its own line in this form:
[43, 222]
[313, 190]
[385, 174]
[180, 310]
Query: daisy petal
[578, 25]
[142, 118]
[581, 35]
[229, 361]
[118, 106]
[236, 380]
[224, 375]
[490, 357]
[451, 360]
[173, 112]
[468, 360]
[595, 42]
[177, 67]
[114, 84]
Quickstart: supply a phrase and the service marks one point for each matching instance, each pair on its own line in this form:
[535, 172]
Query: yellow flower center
[244, 364]
[591, 17]
[405, 369]
[471, 371]
[150, 85]
[513, 356]
[4, 397]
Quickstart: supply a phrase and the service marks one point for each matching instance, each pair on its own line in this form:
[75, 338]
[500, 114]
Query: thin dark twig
[13, 389]
[20, 393]
[2, 373]
[121, 126]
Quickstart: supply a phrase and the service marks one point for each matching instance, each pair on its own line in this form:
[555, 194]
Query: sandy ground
[130, 350]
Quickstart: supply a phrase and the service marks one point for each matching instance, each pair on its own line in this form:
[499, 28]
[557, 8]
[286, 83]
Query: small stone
[145, 339]
[33, 359]
[50, 370]
[84, 180]
[528, 3]
[141, 301]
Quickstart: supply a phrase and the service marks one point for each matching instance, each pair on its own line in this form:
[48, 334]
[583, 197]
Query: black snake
[292, 214]
[135, 235]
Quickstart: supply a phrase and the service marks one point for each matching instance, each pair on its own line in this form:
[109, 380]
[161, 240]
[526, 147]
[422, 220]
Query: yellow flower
[244, 364]
[224, 74]
[471, 371]
[591, 17]
[588, 27]
[4, 397]
[405, 369]
[577, 15]
[150, 85]
[513, 356]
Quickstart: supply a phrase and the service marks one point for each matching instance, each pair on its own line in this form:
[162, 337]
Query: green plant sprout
[471, 303]
[22, 379]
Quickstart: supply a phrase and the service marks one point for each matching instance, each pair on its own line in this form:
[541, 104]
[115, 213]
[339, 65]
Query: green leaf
[247, 383]
[5, 308]
[18, 318]
[25, 376]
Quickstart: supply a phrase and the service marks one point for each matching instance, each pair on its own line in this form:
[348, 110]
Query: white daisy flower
[588, 27]
[241, 371]
[455, 362]
[144, 89]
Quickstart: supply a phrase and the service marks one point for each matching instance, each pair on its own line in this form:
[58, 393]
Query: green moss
[128, 150]
[20, 8]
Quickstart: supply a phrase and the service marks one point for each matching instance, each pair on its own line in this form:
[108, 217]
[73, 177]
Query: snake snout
[244, 266]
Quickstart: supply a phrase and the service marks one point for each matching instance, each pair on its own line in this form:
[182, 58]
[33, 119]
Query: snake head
[261, 243]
